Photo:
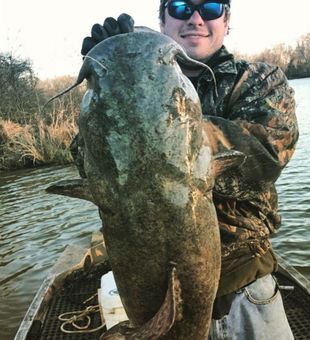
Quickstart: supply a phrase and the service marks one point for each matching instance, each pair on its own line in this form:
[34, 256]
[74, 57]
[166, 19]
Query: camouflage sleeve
[261, 123]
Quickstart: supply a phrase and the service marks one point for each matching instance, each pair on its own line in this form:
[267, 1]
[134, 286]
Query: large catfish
[149, 169]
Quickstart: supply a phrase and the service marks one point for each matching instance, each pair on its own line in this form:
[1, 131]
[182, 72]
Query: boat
[71, 291]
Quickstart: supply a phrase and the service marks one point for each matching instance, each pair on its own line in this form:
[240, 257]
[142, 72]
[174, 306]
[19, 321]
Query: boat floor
[81, 286]
[77, 288]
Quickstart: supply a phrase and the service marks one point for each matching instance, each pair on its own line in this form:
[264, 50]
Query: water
[36, 226]
[293, 186]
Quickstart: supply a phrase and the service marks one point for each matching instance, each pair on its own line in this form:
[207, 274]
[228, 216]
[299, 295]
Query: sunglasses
[183, 10]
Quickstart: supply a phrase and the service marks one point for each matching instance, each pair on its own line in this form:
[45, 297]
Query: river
[36, 226]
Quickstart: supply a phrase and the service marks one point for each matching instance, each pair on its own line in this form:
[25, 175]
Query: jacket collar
[221, 62]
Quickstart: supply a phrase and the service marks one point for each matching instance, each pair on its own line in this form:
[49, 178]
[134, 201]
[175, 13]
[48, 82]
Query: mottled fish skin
[148, 163]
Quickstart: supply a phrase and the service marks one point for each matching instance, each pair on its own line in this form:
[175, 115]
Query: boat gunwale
[290, 272]
[69, 261]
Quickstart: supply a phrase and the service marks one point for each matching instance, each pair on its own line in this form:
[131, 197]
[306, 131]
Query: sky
[50, 33]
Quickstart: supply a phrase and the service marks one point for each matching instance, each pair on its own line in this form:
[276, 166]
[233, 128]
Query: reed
[29, 139]
[45, 141]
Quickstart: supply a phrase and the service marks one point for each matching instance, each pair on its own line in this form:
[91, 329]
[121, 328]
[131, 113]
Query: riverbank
[31, 133]
[41, 141]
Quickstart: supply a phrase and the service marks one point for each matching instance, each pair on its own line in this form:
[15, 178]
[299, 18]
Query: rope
[82, 316]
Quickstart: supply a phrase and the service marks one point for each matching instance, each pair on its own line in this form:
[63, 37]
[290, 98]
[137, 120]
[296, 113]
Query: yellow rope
[80, 315]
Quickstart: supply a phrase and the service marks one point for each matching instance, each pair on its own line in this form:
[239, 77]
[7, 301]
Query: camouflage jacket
[252, 110]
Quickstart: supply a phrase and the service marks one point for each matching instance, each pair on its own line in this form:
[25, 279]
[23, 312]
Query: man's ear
[161, 26]
[227, 19]
[227, 22]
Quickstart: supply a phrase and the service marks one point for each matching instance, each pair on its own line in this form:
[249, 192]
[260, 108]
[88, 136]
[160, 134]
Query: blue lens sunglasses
[183, 10]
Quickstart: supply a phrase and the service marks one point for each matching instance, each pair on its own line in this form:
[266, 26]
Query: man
[249, 108]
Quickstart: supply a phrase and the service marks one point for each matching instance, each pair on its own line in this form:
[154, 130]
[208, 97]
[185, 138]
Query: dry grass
[43, 138]
[45, 141]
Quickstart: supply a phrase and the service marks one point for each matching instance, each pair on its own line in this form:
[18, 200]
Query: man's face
[200, 38]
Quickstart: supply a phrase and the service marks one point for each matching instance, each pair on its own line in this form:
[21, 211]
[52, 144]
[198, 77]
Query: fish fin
[117, 332]
[169, 312]
[227, 160]
[160, 324]
[78, 188]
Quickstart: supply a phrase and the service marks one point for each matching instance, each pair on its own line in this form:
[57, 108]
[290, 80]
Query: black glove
[123, 24]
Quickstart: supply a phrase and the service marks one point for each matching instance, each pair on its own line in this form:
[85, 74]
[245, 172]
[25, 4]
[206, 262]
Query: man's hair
[162, 10]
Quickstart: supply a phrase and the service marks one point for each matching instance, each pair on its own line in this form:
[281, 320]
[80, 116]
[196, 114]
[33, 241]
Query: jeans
[257, 313]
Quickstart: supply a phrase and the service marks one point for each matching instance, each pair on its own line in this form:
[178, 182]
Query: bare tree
[17, 88]
[294, 61]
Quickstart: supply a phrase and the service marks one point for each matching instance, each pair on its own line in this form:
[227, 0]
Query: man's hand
[110, 27]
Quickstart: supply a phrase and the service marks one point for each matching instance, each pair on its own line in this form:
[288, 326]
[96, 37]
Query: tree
[17, 88]
[299, 65]
[294, 61]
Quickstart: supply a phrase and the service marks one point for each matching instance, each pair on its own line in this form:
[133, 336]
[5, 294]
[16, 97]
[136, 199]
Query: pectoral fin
[78, 188]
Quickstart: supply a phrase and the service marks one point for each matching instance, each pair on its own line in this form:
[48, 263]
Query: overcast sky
[50, 33]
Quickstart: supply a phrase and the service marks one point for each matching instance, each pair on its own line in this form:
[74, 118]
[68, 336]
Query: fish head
[140, 118]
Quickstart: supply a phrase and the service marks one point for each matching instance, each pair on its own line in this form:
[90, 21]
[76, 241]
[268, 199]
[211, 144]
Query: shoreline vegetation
[30, 137]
